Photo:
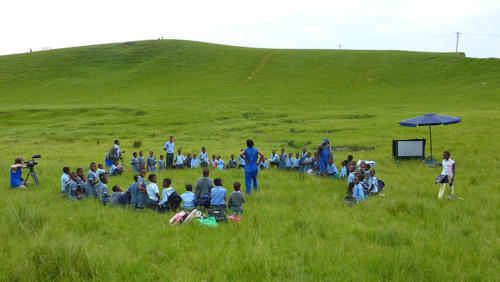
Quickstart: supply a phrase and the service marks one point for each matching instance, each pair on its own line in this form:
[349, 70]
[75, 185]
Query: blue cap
[325, 140]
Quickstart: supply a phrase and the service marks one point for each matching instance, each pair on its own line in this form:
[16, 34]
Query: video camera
[31, 163]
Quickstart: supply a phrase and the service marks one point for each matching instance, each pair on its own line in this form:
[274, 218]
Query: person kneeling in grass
[218, 195]
[188, 198]
[331, 170]
[72, 191]
[118, 197]
[153, 192]
[115, 169]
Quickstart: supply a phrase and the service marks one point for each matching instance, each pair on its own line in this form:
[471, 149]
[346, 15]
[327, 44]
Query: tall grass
[293, 228]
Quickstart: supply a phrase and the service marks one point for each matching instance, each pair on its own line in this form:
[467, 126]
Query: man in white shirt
[169, 148]
[447, 175]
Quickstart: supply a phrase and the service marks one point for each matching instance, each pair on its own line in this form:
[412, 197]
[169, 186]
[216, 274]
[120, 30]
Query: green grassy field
[69, 105]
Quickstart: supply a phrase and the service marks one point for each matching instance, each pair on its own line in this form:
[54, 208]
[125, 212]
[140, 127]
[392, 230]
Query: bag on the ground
[218, 215]
[174, 201]
[209, 221]
[178, 217]
[381, 185]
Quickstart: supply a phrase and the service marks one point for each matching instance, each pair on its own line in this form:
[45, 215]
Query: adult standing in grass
[325, 156]
[169, 148]
[16, 180]
[251, 156]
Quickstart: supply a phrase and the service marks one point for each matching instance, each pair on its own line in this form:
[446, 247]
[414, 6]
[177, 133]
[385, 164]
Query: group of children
[180, 161]
[209, 194]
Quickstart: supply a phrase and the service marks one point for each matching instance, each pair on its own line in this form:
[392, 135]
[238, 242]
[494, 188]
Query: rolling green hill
[69, 104]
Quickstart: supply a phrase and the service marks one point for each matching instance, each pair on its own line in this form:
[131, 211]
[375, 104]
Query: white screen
[410, 148]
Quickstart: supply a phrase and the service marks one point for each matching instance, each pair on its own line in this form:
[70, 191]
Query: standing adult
[169, 148]
[325, 156]
[113, 154]
[16, 180]
[251, 156]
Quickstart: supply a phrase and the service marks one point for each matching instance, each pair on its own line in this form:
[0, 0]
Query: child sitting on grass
[343, 171]
[72, 187]
[115, 169]
[134, 162]
[232, 162]
[81, 181]
[235, 201]
[179, 159]
[332, 170]
[151, 162]
[161, 163]
[350, 180]
[220, 163]
[187, 160]
[65, 179]
[92, 181]
[358, 190]
[188, 198]
[118, 197]
[218, 196]
[101, 170]
[102, 190]
[166, 192]
[373, 183]
[153, 192]
[133, 191]
[195, 162]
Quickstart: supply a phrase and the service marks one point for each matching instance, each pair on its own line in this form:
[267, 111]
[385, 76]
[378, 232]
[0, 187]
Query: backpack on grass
[218, 215]
[174, 201]
[381, 185]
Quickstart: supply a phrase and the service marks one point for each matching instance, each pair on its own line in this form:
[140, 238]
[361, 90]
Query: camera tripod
[32, 172]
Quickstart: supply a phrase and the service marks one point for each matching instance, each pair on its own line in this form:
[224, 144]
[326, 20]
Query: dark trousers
[170, 159]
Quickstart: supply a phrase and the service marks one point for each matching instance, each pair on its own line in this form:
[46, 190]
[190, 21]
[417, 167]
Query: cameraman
[16, 181]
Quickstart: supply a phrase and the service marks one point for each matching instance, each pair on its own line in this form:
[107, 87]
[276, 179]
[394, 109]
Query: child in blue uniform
[179, 160]
[115, 169]
[141, 160]
[195, 162]
[282, 159]
[188, 198]
[81, 181]
[134, 162]
[220, 163]
[151, 162]
[72, 187]
[296, 164]
[218, 196]
[102, 189]
[332, 170]
[92, 181]
[290, 161]
[232, 162]
[64, 179]
[161, 164]
[203, 158]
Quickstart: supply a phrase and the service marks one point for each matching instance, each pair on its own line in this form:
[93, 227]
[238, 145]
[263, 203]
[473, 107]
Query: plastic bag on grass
[208, 221]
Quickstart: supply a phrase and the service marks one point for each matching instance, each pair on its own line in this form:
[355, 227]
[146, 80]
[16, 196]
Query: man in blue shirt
[16, 180]
[169, 148]
[218, 195]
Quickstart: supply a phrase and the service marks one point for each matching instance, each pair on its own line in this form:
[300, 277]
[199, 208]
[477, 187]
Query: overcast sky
[422, 25]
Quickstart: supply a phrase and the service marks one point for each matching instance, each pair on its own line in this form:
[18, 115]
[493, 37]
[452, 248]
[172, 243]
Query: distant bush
[137, 144]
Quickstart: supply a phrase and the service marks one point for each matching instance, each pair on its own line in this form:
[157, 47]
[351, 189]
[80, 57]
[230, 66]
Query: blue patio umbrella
[430, 120]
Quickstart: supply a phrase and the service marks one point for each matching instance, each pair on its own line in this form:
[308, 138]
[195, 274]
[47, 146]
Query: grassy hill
[69, 104]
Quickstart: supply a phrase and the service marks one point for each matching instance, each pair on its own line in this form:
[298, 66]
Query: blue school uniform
[296, 163]
[220, 164]
[358, 193]
[316, 165]
[161, 164]
[218, 195]
[133, 189]
[64, 181]
[82, 185]
[142, 198]
[135, 164]
[152, 190]
[241, 161]
[194, 163]
[151, 161]
[203, 158]
[332, 169]
[114, 170]
[165, 194]
[303, 158]
[282, 158]
[307, 167]
[102, 191]
[179, 160]
[100, 171]
[274, 159]
[72, 189]
[290, 162]
[91, 190]
[343, 172]
[188, 199]
[374, 182]
[142, 162]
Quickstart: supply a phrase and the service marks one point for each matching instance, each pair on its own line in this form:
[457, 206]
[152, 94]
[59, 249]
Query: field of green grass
[69, 105]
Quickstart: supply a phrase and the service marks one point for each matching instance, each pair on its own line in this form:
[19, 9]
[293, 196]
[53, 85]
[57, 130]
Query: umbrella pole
[430, 134]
